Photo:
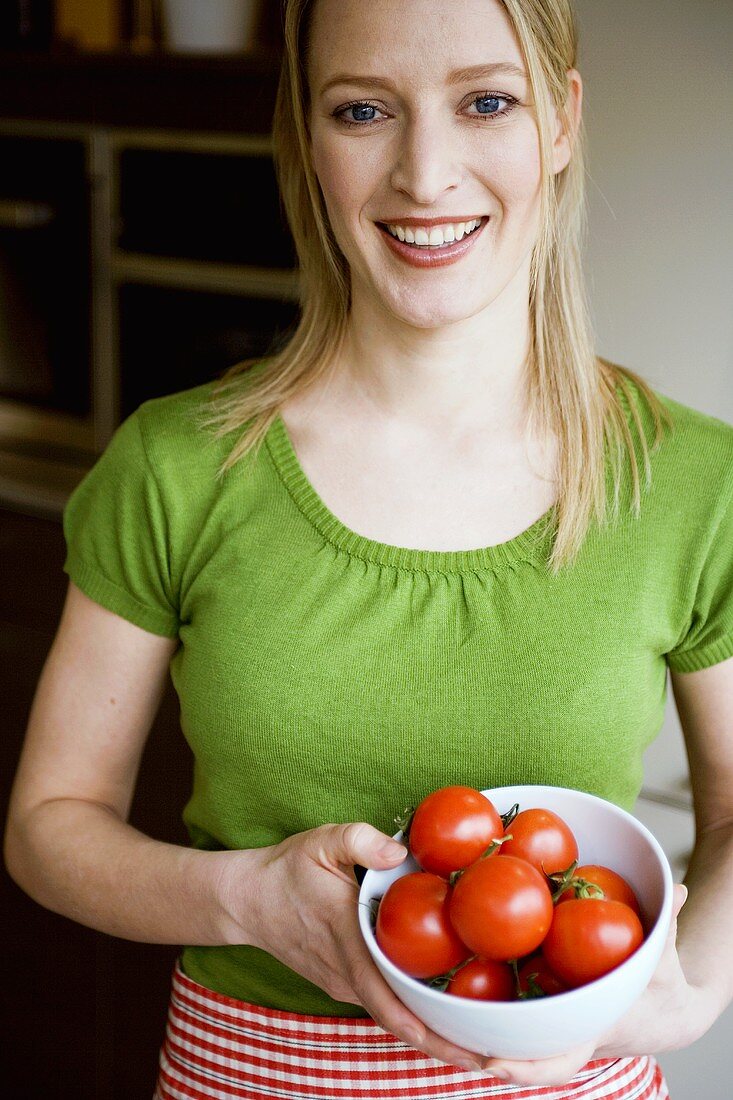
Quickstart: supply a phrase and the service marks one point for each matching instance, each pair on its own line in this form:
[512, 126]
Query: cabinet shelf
[179, 282]
[256, 282]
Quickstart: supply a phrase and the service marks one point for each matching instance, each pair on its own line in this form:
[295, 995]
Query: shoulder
[174, 419]
[695, 452]
[179, 447]
[689, 433]
[693, 426]
[700, 444]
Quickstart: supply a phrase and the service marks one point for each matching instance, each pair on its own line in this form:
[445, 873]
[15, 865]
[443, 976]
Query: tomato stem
[493, 847]
[374, 909]
[403, 821]
[568, 880]
[533, 990]
[496, 843]
[508, 817]
[561, 881]
[442, 981]
[586, 889]
[515, 971]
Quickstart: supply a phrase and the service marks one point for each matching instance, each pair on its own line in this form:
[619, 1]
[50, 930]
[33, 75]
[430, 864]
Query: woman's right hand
[305, 914]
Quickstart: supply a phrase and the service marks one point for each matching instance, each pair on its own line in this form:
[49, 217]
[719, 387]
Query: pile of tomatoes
[500, 909]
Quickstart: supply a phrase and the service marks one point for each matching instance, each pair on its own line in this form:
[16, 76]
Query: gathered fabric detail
[531, 546]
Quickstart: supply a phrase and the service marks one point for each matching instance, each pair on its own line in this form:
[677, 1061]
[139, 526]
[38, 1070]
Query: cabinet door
[202, 205]
[45, 278]
[172, 339]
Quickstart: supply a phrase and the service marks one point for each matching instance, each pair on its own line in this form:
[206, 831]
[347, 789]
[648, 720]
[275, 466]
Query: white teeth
[435, 236]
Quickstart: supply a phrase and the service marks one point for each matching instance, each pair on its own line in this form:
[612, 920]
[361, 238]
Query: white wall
[659, 115]
[659, 259]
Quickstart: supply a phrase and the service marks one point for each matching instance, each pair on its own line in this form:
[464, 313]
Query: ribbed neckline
[530, 545]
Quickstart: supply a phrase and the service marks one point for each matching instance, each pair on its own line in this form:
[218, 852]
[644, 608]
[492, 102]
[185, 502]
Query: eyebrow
[458, 76]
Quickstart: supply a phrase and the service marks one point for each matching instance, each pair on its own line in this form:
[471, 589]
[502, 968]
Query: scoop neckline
[530, 545]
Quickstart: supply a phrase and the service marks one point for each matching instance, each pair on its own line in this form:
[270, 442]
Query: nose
[428, 161]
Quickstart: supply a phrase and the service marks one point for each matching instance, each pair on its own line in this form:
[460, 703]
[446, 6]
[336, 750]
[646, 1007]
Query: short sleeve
[709, 637]
[117, 535]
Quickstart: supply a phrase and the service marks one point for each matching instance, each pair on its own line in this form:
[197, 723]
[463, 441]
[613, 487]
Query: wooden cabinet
[166, 260]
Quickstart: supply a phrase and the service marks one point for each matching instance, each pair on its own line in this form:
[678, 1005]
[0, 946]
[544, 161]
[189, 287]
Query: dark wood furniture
[171, 156]
[143, 248]
[83, 1014]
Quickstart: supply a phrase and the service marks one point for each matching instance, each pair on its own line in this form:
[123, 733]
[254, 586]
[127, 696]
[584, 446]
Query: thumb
[359, 842]
[679, 897]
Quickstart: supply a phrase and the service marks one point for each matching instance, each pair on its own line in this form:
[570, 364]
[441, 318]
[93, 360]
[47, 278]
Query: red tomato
[543, 978]
[414, 929]
[589, 937]
[451, 828]
[613, 886]
[483, 980]
[501, 907]
[543, 839]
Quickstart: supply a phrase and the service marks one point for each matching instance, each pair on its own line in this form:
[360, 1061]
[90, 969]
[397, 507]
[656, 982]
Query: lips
[425, 257]
[449, 219]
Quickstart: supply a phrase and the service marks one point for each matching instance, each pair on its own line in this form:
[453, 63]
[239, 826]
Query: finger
[542, 1071]
[396, 1019]
[679, 897]
[336, 846]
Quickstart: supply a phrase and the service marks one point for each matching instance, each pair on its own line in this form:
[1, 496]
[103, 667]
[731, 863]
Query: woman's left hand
[669, 1014]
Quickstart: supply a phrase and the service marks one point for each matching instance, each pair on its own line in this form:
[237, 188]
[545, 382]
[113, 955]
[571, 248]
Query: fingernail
[413, 1036]
[498, 1071]
[686, 892]
[392, 852]
[468, 1064]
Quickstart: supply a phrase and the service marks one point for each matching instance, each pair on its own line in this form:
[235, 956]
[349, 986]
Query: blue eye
[358, 108]
[359, 111]
[489, 104]
[489, 108]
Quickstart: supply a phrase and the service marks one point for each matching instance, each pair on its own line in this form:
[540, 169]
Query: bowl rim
[579, 992]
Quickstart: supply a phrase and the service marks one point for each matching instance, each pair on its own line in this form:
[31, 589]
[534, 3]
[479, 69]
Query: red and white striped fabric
[218, 1048]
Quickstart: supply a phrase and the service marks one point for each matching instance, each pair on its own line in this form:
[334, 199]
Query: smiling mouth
[433, 237]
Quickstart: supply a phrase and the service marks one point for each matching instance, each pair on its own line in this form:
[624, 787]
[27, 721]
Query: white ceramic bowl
[540, 1028]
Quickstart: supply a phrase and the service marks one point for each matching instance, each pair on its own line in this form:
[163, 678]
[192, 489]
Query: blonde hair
[572, 393]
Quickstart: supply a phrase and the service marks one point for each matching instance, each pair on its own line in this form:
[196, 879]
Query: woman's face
[426, 142]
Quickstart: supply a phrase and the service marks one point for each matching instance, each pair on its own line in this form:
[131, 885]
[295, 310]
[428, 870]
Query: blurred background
[142, 251]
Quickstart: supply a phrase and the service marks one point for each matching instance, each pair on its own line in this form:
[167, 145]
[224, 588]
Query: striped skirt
[218, 1048]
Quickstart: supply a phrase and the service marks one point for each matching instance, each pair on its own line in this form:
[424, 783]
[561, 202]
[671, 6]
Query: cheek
[346, 180]
[515, 171]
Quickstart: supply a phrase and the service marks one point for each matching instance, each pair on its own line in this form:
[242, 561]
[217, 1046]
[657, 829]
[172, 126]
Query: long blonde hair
[581, 399]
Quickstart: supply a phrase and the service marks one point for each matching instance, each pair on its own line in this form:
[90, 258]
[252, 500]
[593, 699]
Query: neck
[463, 376]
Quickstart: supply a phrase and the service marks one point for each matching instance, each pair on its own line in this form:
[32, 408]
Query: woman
[440, 568]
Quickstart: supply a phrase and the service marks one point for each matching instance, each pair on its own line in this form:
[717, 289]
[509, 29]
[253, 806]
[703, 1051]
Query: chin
[429, 311]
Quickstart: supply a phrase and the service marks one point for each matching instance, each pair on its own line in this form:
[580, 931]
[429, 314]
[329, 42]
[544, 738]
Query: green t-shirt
[327, 677]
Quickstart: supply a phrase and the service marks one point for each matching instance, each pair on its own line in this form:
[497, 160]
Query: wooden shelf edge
[260, 282]
[39, 487]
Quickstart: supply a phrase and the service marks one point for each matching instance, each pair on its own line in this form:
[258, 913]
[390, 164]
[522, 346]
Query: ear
[565, 134]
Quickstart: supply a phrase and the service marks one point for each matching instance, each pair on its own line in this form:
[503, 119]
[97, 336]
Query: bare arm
[69, 846]
[704, 702]
[67, 841]
[693, 983]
